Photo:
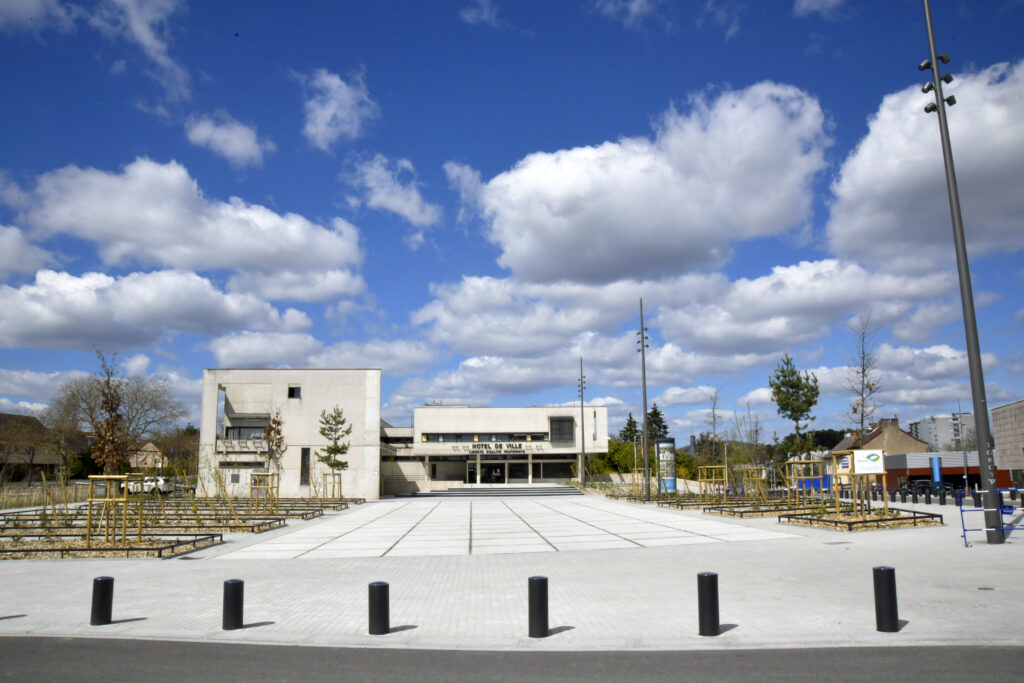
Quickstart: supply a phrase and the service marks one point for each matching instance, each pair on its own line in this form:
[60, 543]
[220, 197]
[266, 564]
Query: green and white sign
[868, 462]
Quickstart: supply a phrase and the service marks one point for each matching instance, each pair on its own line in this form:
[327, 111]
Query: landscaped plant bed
[151, 545]
[769, 510]
[897, 519]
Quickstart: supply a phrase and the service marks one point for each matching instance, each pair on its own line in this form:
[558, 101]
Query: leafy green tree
[795, 395]
[657, 428]
[631, 431]
[334, 427]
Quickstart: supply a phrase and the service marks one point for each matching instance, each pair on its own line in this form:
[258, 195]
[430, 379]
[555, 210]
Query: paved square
[485, 527]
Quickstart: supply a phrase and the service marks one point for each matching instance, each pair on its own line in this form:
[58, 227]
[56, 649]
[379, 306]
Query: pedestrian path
[487, 527]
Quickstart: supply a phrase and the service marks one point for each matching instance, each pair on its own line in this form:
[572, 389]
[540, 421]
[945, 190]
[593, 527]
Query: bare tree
[863, 378]
[711, 420]
[273, 434]
[119, 411]
[748, 429]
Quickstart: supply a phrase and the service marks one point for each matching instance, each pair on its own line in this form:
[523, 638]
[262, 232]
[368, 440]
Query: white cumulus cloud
[891, 208]
[231, 139]
[335, 108]
[393, 187]
[731, 167]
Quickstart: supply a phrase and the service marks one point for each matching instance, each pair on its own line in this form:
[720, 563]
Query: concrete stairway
[498, 491]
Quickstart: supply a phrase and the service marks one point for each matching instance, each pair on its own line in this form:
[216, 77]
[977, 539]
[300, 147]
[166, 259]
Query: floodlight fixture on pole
[986, 461]
[642, 341]
[582, 383]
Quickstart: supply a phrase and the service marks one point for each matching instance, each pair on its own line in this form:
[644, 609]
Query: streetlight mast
[642, 341]
[583, 432]
[986, 461]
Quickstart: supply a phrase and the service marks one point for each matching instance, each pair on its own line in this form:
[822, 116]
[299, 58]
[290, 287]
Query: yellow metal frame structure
[860, 485]
[264, 488]
[638, 481]
[712, 480]
[110, 503]
[332, 485]
[799, 473]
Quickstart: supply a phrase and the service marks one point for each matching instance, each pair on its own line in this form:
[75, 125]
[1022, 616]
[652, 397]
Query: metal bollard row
[886, 615]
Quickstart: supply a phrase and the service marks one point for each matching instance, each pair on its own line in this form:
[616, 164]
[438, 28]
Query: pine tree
[334, 427]
[795, 395]
[631, 431]
[657, 428]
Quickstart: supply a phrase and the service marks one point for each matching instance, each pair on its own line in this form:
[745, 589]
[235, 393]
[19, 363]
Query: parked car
[156, 484]
[922, 486]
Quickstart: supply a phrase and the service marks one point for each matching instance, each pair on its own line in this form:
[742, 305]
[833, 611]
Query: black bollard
[234, 599]
[892, 496]
[1013, 494]
[903, 497]
[886, 614]
[538, 606]
[976, 498]
[102, 600]
[707, 603]
[942, 497]
[913, 497]
[928, 497]
[380, 611]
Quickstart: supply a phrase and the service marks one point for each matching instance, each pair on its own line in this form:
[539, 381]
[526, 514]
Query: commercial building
[446, 447]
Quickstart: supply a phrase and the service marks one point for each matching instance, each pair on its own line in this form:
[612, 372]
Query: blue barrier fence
[1003, 508]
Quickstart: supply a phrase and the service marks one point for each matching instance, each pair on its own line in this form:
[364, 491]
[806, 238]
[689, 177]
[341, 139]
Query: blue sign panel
[936, 468]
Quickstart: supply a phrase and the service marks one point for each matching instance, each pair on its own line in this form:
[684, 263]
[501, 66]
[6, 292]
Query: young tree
[273, 434]
[145, 406]
[112, 445]
[863, 379]
[334, 427]
[712, 418]
[795, 395]
[748, 429]
[631, 431]
[657, 428]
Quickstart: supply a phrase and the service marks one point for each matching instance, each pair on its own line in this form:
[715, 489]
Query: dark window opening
[304, 468]
[294, 392]
[562, 429]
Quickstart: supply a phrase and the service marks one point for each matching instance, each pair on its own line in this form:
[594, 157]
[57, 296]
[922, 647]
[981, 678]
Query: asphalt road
[88, 659]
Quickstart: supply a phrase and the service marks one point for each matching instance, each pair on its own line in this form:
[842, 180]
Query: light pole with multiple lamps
[582, 383]
[986, 461]
[642, 341]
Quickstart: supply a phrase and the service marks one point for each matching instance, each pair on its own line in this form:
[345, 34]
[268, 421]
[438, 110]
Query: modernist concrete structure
[447, 446]
[237, 405]
[453, 446]
[944, 431]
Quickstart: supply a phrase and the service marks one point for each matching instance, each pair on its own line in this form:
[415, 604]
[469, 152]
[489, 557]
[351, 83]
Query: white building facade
[237, 405]
[942, 432]
[447, 446]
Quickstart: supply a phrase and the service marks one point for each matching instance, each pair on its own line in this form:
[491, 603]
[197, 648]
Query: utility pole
[642, 334]
[583, 432]
[986, 461]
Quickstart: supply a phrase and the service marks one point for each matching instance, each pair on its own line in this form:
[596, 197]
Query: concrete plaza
[622, 576]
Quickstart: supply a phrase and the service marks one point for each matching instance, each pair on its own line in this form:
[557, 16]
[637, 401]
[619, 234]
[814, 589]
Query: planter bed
[762, 511]
[850, 522]
[151, 545]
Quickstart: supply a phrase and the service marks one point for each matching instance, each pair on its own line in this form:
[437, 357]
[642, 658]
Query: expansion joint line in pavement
[593, 526]
[355, 528]
[412, 528]
[666, 526]
[528, 526]
[471, 527]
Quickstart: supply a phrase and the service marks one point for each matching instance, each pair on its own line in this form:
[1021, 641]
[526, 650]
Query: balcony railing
[241, 445]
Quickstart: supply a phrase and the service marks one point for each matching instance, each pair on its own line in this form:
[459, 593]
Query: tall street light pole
[583, 432]
[986, 461]
[642, 334]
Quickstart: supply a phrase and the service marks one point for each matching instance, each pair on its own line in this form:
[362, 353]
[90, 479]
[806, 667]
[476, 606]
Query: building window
[562, 429]
[304, 468]
[294, 392]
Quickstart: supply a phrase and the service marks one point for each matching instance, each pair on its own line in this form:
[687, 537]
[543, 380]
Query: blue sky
[472, 195]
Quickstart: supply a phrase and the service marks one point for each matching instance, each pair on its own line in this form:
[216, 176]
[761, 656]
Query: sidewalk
[622, 576]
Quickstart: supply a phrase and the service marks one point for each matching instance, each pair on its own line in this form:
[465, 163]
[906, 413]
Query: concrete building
[237, 405]
[446, 447]
[943, 432]
[1008, 433]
